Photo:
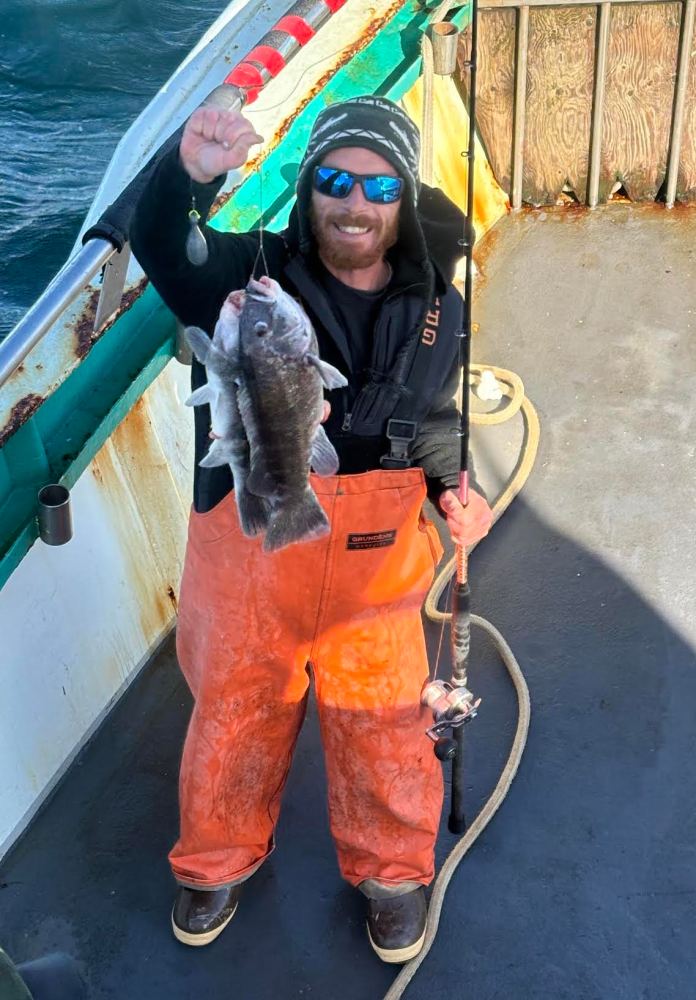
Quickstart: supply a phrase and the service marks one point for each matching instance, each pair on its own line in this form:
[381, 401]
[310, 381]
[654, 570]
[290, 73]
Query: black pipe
[55, 516]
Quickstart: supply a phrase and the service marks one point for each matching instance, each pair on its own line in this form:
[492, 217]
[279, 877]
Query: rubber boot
[396, 926]
[199, 916]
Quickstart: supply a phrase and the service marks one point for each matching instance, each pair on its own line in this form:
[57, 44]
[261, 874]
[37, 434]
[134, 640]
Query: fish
[265, 390]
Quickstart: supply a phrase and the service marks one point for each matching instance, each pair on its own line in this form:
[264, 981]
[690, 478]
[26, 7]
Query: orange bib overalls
[252, 625]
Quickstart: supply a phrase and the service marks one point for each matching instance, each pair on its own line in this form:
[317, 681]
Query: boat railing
[106, 241]
[70, 281]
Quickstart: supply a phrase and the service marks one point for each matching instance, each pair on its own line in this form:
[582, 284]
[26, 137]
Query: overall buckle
[401, 434]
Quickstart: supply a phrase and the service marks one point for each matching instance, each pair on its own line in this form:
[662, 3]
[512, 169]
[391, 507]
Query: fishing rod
[452, 703]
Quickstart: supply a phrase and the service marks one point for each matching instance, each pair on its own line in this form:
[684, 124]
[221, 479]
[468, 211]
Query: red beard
[383, 235]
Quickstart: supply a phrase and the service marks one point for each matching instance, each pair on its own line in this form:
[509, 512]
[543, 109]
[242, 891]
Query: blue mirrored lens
[332, 182]
[382, 189]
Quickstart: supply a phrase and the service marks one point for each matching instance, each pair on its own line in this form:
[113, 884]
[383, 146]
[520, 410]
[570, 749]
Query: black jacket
[195, 295]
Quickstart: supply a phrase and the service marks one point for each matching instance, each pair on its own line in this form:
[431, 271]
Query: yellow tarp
[450, 140]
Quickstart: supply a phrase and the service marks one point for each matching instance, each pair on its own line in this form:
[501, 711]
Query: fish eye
[261, 328]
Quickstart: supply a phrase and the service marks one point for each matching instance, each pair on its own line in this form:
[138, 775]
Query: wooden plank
[686, 179]
[559, 102]
[495, 89]
[643, 47]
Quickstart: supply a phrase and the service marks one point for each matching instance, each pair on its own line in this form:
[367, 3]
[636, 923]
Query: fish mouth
[260, 289]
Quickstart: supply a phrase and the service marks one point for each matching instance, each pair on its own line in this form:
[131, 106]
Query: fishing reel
[452, 707]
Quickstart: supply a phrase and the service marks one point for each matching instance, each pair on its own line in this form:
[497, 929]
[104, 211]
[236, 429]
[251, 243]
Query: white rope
[448, 869]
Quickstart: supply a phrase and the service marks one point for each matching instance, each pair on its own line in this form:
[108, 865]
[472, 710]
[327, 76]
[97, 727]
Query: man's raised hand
[215, 141]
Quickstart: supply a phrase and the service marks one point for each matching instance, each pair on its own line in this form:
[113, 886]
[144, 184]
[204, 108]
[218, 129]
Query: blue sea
[74, 74]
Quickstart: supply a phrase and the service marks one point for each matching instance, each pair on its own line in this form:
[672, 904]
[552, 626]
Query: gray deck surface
[584, 885]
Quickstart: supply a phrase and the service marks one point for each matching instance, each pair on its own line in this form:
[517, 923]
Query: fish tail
[299, 521]
[254, 512]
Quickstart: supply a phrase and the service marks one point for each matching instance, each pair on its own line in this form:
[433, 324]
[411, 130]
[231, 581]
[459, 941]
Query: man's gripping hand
[467, 525]
[215, 141]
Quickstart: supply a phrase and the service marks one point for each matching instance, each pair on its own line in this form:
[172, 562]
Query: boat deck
[584, 885]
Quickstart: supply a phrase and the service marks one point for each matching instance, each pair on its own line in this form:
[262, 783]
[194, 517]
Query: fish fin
[324, 459]
[260, 481]
[254, 512]
[330, 376]
[205, 394]
[216, 456]
[300, 521]
[199, 342]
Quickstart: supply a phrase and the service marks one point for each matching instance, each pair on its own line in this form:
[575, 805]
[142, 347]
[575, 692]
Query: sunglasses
[378, 188]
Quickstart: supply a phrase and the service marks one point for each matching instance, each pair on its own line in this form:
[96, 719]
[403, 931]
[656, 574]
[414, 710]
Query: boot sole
[199, 940]
[398, 955]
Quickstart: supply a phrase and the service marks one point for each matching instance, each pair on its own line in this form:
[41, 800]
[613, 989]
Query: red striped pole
[279, 45]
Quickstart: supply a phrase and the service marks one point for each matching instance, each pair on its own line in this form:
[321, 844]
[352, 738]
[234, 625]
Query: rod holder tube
[55, 515]
[444, 37]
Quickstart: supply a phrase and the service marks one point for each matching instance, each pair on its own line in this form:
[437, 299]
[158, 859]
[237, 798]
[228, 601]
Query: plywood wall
[637, 120]
[686, 183]
[641, 70]
[495, 91]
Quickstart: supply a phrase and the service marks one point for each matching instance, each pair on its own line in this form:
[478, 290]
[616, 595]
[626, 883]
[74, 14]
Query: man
[370, 255]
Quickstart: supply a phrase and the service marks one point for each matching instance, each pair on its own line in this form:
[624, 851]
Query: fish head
[273, 322]
[226, 335]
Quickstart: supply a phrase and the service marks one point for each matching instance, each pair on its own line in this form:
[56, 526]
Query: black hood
[430, 233]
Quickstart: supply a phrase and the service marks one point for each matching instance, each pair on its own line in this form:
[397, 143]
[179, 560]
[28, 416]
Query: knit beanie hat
[372, 123]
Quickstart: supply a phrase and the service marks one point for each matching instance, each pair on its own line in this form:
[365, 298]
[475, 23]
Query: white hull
[78, 621]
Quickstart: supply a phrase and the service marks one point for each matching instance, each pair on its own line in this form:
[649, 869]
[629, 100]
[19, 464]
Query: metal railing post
[687, 31]
[520, 106]
[598, 104]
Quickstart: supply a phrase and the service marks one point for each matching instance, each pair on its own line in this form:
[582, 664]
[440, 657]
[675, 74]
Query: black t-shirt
[357, 313]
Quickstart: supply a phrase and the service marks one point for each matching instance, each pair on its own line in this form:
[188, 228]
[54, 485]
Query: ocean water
[74, 74]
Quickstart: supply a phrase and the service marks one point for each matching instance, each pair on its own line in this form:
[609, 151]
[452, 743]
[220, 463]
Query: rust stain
[20, 412]
[137, 489]
[128, 299]
[83, 326]
[482, 252]
[566, 213]
[365, 38]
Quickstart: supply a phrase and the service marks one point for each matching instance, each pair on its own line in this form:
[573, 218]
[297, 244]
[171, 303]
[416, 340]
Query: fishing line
[260, 253]
[445, 618]
[272, 107]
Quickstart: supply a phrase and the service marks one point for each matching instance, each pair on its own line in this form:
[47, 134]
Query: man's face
[329, 217]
